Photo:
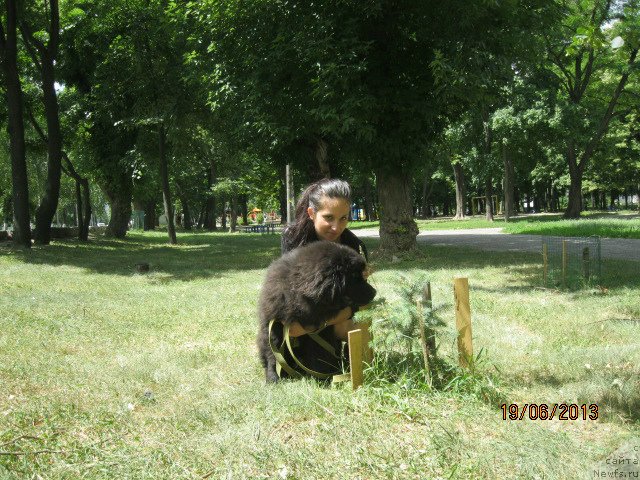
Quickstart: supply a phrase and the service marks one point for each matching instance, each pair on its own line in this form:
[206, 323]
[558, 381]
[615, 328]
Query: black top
[347, 238]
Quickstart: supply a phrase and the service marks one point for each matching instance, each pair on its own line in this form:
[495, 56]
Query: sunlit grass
[113, 374]
[623, 224]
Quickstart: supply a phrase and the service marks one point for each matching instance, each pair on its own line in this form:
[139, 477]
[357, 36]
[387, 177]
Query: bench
[259, 228]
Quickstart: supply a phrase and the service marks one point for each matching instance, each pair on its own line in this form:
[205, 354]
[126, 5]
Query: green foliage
[399, 357]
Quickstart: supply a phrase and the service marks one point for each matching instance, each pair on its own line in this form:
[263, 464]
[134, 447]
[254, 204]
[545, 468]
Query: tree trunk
[398, 230]
[234, 213]
[83, 194]
[20, 189]
[120, 203]
[368, 200]
[244, 209]
[509, 181]
[49, 202]
[79, 217]
[488, 193]
[166, 192]
[458, 174]
[282, 196]
[187, 221]
[86, 210]
[210, 211]
[575, 188]
[321, 158]
[150, 215]
[224, 215]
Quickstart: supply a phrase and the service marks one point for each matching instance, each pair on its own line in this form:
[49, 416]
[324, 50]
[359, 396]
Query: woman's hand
[296, 330]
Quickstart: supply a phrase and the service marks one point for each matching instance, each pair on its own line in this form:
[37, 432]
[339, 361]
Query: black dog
[309, 285]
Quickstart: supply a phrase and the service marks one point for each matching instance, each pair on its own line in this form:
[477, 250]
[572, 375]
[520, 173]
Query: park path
[496, 240]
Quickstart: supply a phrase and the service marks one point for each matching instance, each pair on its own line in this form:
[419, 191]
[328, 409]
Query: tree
[44, 54]
[576, 59]
[13, 89]
[356, 79]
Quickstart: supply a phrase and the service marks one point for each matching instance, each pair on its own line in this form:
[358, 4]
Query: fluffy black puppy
[310, 285]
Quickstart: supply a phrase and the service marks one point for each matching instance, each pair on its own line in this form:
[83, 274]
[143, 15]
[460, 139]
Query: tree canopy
[198, 106]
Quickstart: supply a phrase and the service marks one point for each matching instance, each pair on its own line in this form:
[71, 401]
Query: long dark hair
[302, 230]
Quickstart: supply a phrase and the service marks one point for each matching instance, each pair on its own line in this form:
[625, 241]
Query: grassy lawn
[623, 224]
[106, 373]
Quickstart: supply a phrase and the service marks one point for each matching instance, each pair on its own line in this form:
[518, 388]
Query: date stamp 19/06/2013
[546, 411]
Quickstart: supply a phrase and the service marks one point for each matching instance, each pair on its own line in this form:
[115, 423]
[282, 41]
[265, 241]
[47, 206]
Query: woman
[322, 213]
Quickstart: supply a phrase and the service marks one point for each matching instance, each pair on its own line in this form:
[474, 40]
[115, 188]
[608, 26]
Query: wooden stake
[545, 262]
[463, 320]
[355, 357]
[564, 264]
[426, 294]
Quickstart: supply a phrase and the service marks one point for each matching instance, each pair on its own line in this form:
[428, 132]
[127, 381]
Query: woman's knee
[341, 330]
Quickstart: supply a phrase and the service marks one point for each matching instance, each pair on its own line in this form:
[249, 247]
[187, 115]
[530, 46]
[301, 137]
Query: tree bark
[166, 192]
[19, 182]
[574, 206]
[282, 196]
[234, 213]
[187, 221]
[426, 195]
[120, 203]
[86, 209]
[150, 215]
[398, 230]
[224, 215]
[210, 211]
[509, 181]
[244, 209]
[458, 174]
[368, 200]
[488, 193]
[321, 157]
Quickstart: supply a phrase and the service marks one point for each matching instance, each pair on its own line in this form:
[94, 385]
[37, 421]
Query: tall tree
[581, 57]
[13, 88]
[44, 54]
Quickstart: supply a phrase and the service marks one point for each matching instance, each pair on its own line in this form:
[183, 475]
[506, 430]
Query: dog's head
[335, 275]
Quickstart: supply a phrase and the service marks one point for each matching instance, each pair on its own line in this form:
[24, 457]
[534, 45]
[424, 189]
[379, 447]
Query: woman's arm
[296, 330]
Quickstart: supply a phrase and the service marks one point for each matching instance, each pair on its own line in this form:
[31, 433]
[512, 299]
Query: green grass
[124, 375]
[624, 224]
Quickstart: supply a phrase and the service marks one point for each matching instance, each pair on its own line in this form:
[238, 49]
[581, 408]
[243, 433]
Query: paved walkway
[495, 239]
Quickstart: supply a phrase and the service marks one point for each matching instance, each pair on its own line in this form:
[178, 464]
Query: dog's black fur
[310, 285]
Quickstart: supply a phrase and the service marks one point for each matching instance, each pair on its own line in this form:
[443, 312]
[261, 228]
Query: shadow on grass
[197, 255]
